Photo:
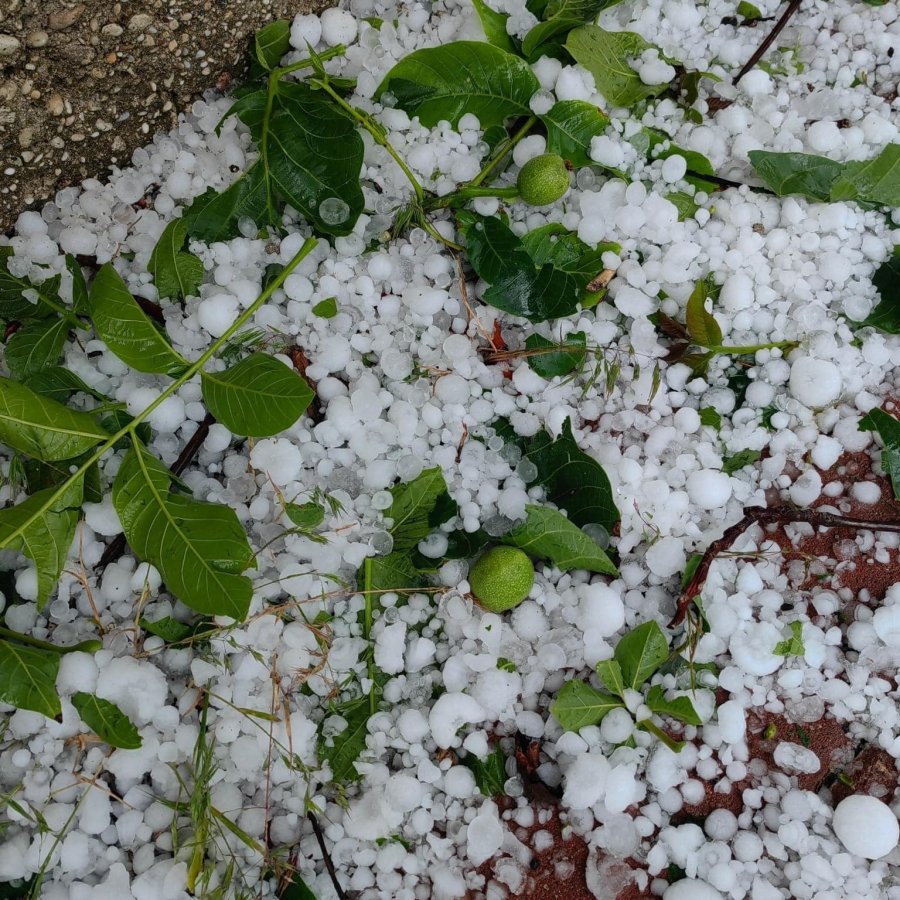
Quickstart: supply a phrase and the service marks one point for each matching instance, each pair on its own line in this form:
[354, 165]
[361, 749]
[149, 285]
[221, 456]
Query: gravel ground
[84, 84]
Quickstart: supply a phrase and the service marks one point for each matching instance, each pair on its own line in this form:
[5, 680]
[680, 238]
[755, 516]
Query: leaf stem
[89, 646]
[471, 193]
[657, 732]
[378, 136]
[189, 372]
[308, 62]
[507, 147]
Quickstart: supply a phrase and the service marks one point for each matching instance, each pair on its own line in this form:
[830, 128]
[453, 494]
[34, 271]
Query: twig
[464, 296]
[301, 364]
[117, 547]
[329, 865]
[780, 515]
[792, 7]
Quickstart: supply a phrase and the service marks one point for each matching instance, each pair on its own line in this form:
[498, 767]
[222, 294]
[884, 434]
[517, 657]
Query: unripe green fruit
[543, 179]
[501, 578]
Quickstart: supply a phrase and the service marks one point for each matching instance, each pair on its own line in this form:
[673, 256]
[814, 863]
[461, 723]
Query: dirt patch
[85, 83]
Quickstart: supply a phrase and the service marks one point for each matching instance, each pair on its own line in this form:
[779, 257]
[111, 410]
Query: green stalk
[752, 348]
[89, 646]
[308, 62]
[657, 732]
[377, 135]
[504, 152]
[189, 372]
[368, 616]
[465, 194]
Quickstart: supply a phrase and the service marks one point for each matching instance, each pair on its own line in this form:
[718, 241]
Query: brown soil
[83, 84]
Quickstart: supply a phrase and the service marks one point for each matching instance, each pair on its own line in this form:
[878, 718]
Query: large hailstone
[866, 826]
[815, 382]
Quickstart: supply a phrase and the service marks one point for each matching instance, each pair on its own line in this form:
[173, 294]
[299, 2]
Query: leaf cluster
[636, 658]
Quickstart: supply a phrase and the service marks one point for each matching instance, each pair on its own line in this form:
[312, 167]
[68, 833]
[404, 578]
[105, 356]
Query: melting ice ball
[866, 826]
[334, 211]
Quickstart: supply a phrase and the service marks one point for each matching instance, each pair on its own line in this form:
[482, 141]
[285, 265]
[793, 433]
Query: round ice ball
[866, 826]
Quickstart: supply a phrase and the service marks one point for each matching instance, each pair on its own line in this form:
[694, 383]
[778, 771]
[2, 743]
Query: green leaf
[871, 181]
[490, 772]
[271, 42]
[79, 285]
[740, 460]
[565, 251]
[419, 506]
[392, 572]
[610, 673]
[296, 889]
[13, 305]
[493, 24]
[748, 11]
[199, 548]
[560, 17]
[571, 125]
[174, 632]
[606, 54]
[57, 383]
[679, 708]
[315, 155]
[176, 273]
[641, 652]
[127, 330]
[346, 747]
[793, 646]
[660, 146]
[305, 515]
[548, 534]
[573, 480]
[690, 567]
[258, 396]
[43, 428]
[107, 721]
[888, 429]
[40, 475]
[710, 416]
[43, 535]
[796, 173]
[701, 325]
[36, 346]
[458, 78]
[550, 359]
[685, 204]
[326, 309]
[578, 705]
[886, 314]
[28, 678]
[516, 285]
[215, 216]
